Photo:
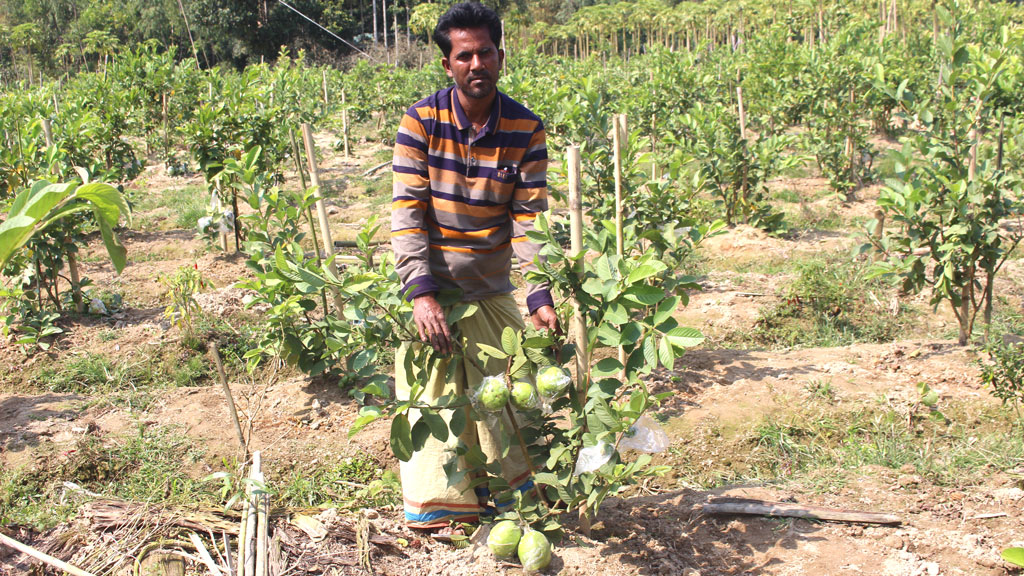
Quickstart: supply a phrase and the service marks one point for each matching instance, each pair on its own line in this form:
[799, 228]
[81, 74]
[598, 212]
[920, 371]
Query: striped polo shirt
[464, 200]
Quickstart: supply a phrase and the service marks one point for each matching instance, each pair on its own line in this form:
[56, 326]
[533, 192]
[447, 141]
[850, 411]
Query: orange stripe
[409, 204]
[408, 231]
[497, 248]
[521, 125]
[475, 234]
[520, 239]
[524, 217]
[452, 207]
[411, 180]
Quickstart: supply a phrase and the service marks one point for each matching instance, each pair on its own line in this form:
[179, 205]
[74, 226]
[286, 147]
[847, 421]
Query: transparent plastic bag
[525, 395]
[593, 457]
[490, 396]
[645, 435]
[552, 381]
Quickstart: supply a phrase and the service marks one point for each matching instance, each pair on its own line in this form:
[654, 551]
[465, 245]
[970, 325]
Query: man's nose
[477, 62]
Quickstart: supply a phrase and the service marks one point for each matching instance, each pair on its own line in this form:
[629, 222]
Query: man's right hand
[431, 323]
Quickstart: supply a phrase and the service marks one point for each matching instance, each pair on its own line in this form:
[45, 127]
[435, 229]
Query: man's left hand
[545, 317]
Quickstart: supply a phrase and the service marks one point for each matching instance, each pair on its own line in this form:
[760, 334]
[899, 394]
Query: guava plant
[952, 192]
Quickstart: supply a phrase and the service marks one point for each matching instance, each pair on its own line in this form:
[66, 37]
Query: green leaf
[14, 233]
[420, 433]
[665, 354]
[437, 425]
[107, 201]
[461, 312]
[683, 337]
[644, 295]
[457, 422]
[117, 252]
[401, 437]
[607, 368]
[645, 271]
[509, 341]
[492, 351]
[1014, 556]
[616, 314]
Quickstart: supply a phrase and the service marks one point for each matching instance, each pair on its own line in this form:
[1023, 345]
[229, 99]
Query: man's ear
[447, 66]
[501, 59]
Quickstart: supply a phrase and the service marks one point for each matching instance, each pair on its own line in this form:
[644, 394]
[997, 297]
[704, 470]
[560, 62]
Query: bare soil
[659, 529]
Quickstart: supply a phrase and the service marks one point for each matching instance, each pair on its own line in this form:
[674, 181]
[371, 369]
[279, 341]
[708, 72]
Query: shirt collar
[462, 121]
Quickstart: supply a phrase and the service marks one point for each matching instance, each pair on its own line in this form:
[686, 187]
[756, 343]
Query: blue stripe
[464, 200]
[538, 184]
[425, 517]
[397, 198]
[409, 228]
[408, 170]
[535, 155]
[406, 140]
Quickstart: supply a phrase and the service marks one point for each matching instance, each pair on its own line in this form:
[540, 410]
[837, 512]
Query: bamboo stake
[227, 393]
[204, 554]
[344, 122]
[326, 101]
[255, 475]
[618, 133]
[314, 176]
[579, 325]
[781, 509]
[262, 517]
[48, 132]
[28, 550]
[743, 114]
[243, 535]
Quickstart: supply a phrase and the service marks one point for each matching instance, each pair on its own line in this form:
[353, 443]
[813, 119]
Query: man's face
[474, 62]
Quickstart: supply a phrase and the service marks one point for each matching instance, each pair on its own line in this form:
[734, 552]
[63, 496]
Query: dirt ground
[658, 530]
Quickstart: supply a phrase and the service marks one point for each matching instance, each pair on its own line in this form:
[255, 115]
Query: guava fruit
[524, 395]
[492, 394]
[504, 538]
[552, 381]
[534, 551]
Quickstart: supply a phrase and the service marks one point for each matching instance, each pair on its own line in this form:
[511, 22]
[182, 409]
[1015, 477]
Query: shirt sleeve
[529, 200]
[409, 201]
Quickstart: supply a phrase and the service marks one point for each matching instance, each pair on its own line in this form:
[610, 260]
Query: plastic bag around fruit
[645, 435]
[593, 457]
[490, 396]
[552, 382]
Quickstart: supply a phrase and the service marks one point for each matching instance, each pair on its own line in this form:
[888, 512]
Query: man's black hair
[466, 15]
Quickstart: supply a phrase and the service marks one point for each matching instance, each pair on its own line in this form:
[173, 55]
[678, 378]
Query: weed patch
[146, 466]
[830, 303]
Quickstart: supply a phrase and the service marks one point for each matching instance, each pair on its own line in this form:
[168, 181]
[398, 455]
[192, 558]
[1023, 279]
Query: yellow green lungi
[429, 501]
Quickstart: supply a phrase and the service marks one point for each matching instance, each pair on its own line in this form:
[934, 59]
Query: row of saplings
[506, 538]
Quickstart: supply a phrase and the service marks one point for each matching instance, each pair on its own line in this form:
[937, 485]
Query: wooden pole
[314, 176]
[618, 135]
[324, 84]
[743, 114]
[32, 552]
[227, 394]
[48, 132]
[344, 122]
[786, 510]
[579, 325]
[163, 111]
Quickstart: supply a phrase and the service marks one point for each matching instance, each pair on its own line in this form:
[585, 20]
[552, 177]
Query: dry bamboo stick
[579, 325]
[231, 401]
[782, 509]
[344, 122]
[46, 558]
[204, 554]
[314, 175]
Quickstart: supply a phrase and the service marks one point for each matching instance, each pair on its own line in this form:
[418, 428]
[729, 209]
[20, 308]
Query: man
[470, 177]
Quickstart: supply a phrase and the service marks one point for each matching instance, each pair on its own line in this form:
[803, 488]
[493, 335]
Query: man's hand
[431, 323]
[545, 317]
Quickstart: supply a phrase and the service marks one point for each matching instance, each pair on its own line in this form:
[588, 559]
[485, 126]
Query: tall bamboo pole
[618, 134]
[314, 176]
[579, 325]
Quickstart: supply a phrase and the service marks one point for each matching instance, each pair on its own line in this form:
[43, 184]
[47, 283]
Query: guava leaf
[1014, 556]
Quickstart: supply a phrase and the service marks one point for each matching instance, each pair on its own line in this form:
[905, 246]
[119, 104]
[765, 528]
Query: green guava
[534, 551]
[504, 538]
[492, 394]
[552, 381]
[524, 396]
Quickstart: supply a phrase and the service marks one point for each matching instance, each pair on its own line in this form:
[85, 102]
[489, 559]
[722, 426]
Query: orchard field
[818, 299]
